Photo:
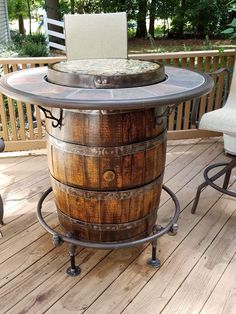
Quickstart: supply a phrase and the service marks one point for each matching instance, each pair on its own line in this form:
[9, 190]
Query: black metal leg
[226, 180]
[199, 190]
[2, 146]
[158, 231]
[1, 210]
[154, 261]
[73, 270]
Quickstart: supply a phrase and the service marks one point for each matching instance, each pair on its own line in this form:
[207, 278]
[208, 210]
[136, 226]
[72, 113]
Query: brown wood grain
[107, 151]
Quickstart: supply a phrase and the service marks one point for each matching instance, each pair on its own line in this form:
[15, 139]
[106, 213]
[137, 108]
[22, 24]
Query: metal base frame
[226, 171]
[158, 231]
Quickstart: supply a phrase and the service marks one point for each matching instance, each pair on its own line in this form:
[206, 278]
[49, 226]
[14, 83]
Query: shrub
[32, 45]
[231, 30]
[33, 49]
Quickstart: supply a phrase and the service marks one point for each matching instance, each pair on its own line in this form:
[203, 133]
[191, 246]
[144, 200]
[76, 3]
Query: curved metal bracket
[158, 119]
[57, 122]
[171, 108]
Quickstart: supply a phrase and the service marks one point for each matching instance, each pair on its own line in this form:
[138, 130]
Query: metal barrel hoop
[109, 245]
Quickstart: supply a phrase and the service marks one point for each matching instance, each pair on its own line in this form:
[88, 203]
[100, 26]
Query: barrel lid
[105, 73]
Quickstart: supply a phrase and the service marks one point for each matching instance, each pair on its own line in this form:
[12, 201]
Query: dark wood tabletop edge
[110, 104]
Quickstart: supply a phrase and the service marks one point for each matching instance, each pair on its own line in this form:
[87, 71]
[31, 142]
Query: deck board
[197, 264]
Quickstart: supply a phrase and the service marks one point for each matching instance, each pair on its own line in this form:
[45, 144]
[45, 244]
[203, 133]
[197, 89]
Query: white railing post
[48, 32]
[45, 25]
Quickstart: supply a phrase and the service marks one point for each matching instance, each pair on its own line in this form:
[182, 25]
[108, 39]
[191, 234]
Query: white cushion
[220, 120]
[96, 36]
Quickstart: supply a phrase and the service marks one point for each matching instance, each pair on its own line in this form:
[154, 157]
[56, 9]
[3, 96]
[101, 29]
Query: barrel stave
[131, 213]
[107, 128]
[90, 172]
[107, 171]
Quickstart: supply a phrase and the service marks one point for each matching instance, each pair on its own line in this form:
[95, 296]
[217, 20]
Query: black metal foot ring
[109, 245]
[210, 182]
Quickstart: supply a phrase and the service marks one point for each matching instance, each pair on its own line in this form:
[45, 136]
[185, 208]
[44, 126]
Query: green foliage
[32, 49]
[181, 18]
[31, 45]
[200, 18]
[231, 30]
[17, 7]
[8, 50]
[25, 45]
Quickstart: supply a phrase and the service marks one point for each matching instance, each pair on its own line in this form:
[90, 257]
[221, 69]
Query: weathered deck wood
[198, 265]
[223, 302]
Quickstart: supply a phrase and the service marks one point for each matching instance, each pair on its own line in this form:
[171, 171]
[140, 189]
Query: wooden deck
[198, 272]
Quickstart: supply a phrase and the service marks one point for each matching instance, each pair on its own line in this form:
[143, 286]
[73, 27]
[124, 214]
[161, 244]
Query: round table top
[31, 86]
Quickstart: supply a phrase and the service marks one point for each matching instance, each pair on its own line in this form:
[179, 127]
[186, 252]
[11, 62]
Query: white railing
[46, 22]
[22, 128]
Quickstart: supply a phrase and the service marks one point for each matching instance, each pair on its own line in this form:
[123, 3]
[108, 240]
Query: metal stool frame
[226, 171]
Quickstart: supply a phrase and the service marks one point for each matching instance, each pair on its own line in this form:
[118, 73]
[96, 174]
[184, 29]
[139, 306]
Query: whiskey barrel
[107, 166]
[107, 169]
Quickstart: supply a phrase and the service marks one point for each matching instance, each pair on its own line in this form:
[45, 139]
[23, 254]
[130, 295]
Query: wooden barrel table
[107, 179]
[107, 165]
[106, 145]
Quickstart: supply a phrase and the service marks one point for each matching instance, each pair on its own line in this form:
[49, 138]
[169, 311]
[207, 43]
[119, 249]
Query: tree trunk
[29, 14]
[53, 9]
[141, 31]
[164, 27]
[80, 7]
[21, 24]
[152, 17]
[72, 6]
[53, 12]
[181, 21]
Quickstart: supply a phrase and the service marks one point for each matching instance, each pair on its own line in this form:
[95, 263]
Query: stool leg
[199, 190]
[73, 270]
[226, 180]
[154, 261]
[1, 210]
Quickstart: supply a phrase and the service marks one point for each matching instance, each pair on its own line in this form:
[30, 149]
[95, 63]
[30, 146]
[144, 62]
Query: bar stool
[221, 120]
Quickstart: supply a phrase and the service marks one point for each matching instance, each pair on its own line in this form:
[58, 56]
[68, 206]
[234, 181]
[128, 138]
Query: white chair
[221, 120]
[96, 36]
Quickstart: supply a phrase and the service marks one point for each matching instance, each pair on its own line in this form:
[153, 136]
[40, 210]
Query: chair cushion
[94, 36]
[220, 120]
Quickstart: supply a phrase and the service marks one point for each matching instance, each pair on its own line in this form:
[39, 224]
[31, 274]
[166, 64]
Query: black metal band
[107, 227]
[109, 245]
[106, 195]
